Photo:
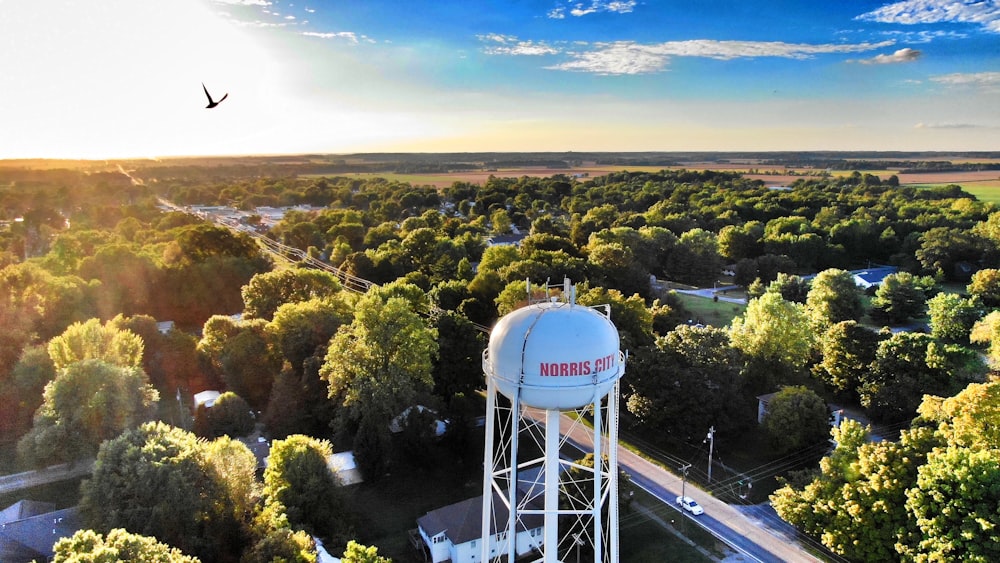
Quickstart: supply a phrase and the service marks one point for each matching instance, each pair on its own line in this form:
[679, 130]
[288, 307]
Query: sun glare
[113, 78]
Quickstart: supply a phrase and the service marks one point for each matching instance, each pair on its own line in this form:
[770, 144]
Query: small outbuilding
[205, 399]
[343, 465]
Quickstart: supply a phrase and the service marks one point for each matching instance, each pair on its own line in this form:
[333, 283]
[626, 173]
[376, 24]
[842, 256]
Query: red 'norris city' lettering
[585, 367]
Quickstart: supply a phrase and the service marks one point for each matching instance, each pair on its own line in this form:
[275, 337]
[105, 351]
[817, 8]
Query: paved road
[727, 523]
[52, 474]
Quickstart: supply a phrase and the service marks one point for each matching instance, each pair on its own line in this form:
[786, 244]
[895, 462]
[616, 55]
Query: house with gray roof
[453, 533]
[29, 529]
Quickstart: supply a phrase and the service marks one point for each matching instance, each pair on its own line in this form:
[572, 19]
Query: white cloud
[984, 80]
[626, 57]
[926, 36]
[905, 55]
[579, 9]
[289, 17]
[618, 58]
[982, 12]
[348, 35]
[946, 126]
[510, 45]
[258, 23]
[244, 2]
[310, 10]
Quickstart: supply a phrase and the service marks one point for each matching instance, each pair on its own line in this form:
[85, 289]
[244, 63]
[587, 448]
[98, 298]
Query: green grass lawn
[709, 312]
[645, 540]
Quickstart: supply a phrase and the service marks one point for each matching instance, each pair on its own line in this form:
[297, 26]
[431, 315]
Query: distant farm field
[481, 176]
[988, 191]
[985, 184]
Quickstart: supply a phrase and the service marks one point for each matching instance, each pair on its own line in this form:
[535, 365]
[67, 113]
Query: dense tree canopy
[93, 341]
[688, 381]
[796, 418]
[267, 291]
[161, 481]
[953, 317]
[381, 360]
[775, 335]
[87, 403]
[931, 496]
[358, 553]
[298, 477]
[833, 297]
[901, 297]
[85, 546]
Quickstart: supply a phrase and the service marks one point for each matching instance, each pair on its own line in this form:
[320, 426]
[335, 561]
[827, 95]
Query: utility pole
[684, 469]
[711, 446]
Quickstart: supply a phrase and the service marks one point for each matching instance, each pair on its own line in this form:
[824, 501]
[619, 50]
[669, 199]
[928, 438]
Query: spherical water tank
[559, 356]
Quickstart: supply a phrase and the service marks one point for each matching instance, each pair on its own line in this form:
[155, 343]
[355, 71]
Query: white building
[453, 533]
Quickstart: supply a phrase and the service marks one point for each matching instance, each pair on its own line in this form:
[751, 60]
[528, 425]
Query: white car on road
[688, 503]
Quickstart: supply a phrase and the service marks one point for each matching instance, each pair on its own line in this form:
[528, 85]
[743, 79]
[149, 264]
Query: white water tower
[543, 360]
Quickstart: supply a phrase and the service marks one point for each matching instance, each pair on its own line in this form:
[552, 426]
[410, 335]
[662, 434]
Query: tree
[21, 393]
[833, 297]
[856, 506]
[900, 297]
[695, 259]
[229, 415]
[161, 481]
[249, 363]
[909, 365]
[458, 364]
[300, 402]
[373, 450]
[282, 545]
[941, 248]
[266, 292]
[954, 505]
[87, 403]
[86, 546]
[985, 284]
[687, 382]
[987, 331]
[632, 318]
[299, 478]
[202, 242]
[91, 340]
[300, 329]
[848, 350]
[740, 242]
[614, 265]
[775, 335]
[792, 288]
[127, 279]
[381, 360]
[358, 553]
[953, 317]
[970, 419]
[796, 418]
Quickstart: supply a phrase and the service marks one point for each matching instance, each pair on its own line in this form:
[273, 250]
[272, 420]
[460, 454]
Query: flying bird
[212, 103]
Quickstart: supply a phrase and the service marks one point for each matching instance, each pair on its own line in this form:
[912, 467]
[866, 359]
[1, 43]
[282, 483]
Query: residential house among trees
[28, 530]
[453, 533]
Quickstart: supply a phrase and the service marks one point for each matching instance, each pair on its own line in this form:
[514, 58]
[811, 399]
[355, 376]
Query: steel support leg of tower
[552, 471]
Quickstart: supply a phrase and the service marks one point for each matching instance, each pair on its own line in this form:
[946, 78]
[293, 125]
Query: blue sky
[123, 77]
